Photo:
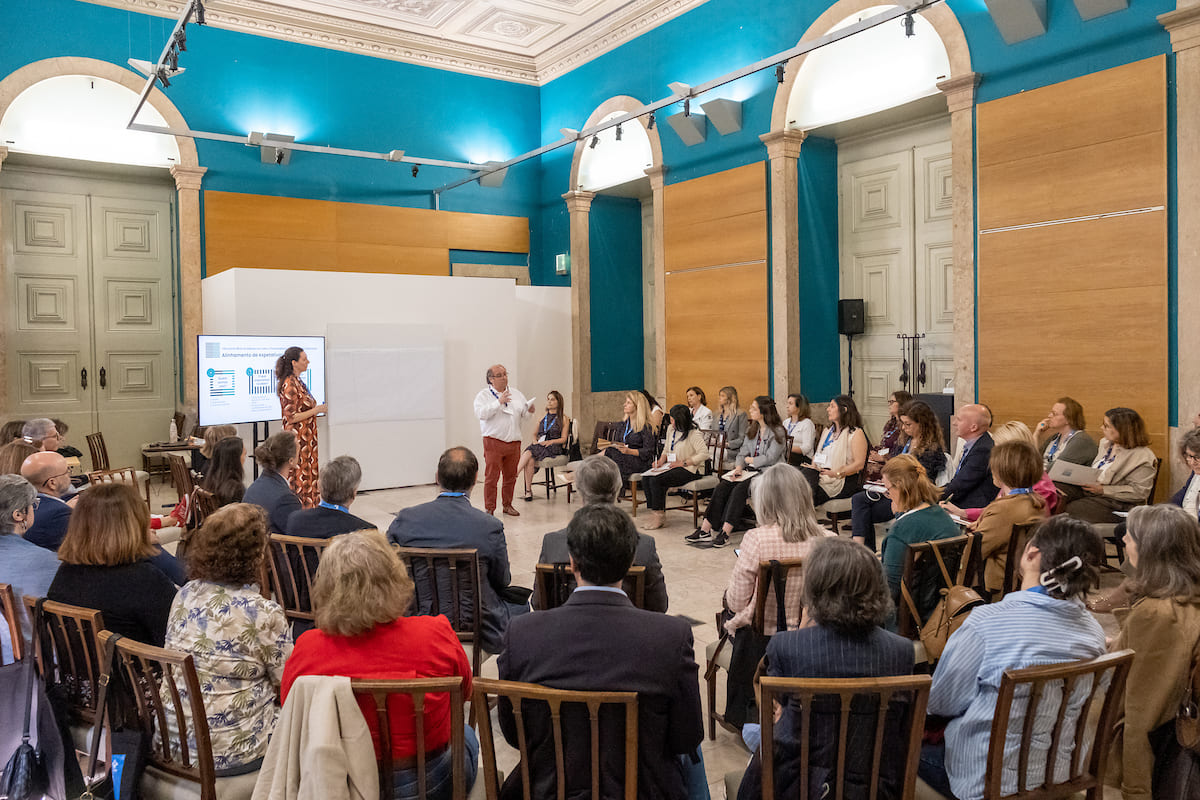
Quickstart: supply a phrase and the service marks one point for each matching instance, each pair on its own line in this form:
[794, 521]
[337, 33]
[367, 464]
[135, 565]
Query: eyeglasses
[37, 501]
[1191, 456]
[55, 477]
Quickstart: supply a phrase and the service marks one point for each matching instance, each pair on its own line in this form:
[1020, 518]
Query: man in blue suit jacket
[50, 475]
[450, 522]
[971, 486]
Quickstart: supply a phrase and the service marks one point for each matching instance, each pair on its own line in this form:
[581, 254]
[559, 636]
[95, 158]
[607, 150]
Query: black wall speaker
[852, 317]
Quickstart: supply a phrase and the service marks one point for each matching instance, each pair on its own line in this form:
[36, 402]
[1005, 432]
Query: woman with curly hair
[300, 410]
[239, 639]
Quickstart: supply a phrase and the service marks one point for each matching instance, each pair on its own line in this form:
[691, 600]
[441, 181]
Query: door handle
[83, 378]
[103, 378]
[921, 374]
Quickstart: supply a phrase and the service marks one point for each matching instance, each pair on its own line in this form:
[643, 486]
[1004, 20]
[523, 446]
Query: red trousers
[499, 458]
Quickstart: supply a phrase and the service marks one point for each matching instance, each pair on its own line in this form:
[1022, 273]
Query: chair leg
[548, 479]
[711, 679]
[633, 492]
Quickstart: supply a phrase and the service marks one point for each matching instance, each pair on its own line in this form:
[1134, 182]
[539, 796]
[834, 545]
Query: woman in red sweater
[360, 596]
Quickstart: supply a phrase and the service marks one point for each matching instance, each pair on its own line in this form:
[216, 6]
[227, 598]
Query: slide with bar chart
[236, 376]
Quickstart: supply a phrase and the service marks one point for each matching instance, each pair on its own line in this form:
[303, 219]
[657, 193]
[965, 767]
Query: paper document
[1074, 474]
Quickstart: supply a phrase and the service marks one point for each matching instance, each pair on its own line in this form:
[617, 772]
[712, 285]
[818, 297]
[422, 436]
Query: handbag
[25, 775]
[957, 601]
[1187, 716]
[749, 648]
[129, 746]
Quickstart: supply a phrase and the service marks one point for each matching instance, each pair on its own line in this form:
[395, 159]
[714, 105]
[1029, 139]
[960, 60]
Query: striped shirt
[1022, 630]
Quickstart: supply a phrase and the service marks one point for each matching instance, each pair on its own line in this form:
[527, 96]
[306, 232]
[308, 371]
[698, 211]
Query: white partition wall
[481, 321]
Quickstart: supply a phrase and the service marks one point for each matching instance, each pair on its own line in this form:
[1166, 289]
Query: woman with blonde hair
[13, 455]
[631, 443]
[106, 564]
[730, 420]
[213, 434]
[360, 597]
[919, 518]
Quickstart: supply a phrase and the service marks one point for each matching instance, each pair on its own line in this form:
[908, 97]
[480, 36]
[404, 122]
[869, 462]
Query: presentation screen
[236, 376]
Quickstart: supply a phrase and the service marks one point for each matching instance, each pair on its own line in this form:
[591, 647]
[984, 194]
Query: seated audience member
[277, 458]
[918, 516]
[213, 434]
[29, 569]
[1063, 436]
[450, 522]
[239, 639]
[625, 649]
[924, 441]
[1126, 465]
[552, 432]
[684, 454]
[41, 433]
[599, 482]
[893, 437]
[48, 472]
[13, 455]
[226, 475]
[845, 602]
[106, 564]
[1045, 624]
[1013, 431]
[731, 421]
[632, 442]
[1163, 544]
[339, 486]
[799, 425]
[361, 596]
[11, 431]
[763, 446]
[65, 450]
[697, 403]
[970, 483]
[836, 469]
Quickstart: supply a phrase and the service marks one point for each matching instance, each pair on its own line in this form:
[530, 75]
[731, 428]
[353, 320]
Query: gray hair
[340, 479]
[783, 497]
[37, 429]
[1190, 441]
[16, 494]
[598, 479]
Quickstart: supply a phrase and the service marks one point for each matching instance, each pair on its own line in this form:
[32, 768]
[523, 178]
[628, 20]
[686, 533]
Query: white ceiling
[528, 41]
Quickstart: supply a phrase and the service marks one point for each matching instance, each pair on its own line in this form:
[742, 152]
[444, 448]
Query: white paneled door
[895, 245]
[90, 322]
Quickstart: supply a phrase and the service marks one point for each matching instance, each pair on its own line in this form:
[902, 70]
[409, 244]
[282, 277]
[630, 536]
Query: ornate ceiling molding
[488, 28]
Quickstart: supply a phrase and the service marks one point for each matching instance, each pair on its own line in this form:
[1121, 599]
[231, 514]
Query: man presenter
[500, 409]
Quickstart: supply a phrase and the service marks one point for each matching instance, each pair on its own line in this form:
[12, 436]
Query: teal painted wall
[820, 362]
[618, 358]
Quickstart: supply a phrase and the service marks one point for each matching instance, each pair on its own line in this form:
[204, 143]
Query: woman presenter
[300, 412]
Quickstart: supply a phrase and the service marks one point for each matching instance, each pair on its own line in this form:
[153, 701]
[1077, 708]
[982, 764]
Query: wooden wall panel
[244, 230]
[1077, 308]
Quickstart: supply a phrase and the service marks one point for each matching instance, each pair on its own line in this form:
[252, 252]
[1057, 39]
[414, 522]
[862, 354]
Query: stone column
[659, 259]
[3, 304]
[783, 148]
[960, 99]
[1184, 27]
[187, 183]
[579, 206]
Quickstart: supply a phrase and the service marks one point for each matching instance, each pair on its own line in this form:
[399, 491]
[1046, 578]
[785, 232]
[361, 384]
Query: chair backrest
[293, 564]
[963, 558]
[1154, 484]
[716, 449]
[408, 698]
[841, 726]
[68, 653]
[127, 475]
[8, 604]
[99, 451]
[553, 584]
[765, 605]
[203, 505]
[540, 707]
[1016, 546]
[603, 430]
[181, 475]
[170, 709]
[1062, 746]
[448, 582]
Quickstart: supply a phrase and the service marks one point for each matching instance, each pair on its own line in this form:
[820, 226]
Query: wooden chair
[101, 468]
[1107, 530]
[963, 558]
[548, 465]
[707, 481]
[408, 698]
[8, 604]
[449, 582]
[292, 561]
[181, 475]
[1016, 547]
[859, 714]
[68, 655]
[553, 584]
[126, 475]
[772, 583]
[1068, 765]
[564, 713]
[203, 506]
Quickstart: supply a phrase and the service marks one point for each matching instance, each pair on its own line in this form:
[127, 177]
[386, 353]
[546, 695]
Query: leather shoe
[512, 512]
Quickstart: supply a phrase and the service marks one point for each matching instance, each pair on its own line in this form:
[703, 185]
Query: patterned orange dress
[294, 398]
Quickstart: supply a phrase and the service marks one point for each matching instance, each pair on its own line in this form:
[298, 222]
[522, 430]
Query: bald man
[500, 409]
[50, 475]
[971, 486]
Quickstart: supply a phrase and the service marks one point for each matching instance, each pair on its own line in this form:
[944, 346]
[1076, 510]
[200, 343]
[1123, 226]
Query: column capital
[3, 155]
[1184, 26]
[579, 201]
[657, 176]
[187, 177]
[783, 144]
[960, 91]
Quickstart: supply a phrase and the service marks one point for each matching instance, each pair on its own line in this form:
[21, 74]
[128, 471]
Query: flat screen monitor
[236, 376]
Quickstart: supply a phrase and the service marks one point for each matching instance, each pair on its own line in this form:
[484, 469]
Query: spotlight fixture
[779, 73]
[595, 141]
[650, 122]
[162, 77]
[147, 69]
[907, 22]
[280, 154]
[199, 12]
[173, 60]
[181, 40]
[618, 133]
[415, 170]
[272, 147]
[687, 106]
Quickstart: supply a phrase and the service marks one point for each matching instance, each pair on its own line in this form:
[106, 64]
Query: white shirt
[702, 416]
[498, 421]
[804, 435]
[1191, 497]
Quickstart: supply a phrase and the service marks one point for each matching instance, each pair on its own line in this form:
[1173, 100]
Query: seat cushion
[838, 506]
[554, 461]
[159, 785]
[703, 483]
[723, 657]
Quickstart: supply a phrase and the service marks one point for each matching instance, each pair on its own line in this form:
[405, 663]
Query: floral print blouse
[240, 641]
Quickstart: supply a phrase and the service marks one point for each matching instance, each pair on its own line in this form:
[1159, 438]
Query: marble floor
[696, 579]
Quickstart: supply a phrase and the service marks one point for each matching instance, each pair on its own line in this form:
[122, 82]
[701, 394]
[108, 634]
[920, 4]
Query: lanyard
[721, 421]
[757, 443]
[453, 494]
[493, 391]
[791, 426]
[674, 433]
[628, 428]
[334, 506]
[829, 437]
[546, 424]
[1058, 441]
[1011, 492]
[907, 447]
[1108, 458]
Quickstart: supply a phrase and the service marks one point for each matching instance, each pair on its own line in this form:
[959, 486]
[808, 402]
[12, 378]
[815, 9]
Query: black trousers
[851, 484]
[865, 513]
[656, 486]
[728, 503]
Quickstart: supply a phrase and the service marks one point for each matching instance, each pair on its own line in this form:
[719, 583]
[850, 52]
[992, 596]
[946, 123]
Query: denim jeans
[932, 769]
[439, 773]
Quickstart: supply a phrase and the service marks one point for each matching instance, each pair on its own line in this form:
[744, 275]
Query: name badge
[542, 438]
[821, 460]
[672, 458]
[883, 451]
